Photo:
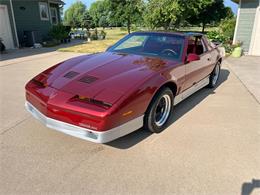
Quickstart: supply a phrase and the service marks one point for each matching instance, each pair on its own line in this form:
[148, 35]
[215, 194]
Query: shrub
[102, 34]
[88, 34]
[217, 36]
[94, 35]
[227, 27]
[225, 34]
[59, 32]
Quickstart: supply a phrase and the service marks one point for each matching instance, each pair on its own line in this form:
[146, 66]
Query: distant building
[248, 26]
[22, 22]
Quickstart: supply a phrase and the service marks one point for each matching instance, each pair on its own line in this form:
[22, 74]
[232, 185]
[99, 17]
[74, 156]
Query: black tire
[214, 76]
[152, 114]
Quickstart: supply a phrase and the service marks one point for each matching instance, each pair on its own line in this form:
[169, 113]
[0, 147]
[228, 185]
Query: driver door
[196, 70]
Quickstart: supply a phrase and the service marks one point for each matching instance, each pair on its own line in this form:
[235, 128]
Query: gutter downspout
[15, 30]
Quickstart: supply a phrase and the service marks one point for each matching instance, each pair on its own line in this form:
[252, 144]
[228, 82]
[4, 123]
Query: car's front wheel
[160, 111]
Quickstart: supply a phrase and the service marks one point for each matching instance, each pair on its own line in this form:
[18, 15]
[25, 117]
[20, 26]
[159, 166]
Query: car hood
[104, 76]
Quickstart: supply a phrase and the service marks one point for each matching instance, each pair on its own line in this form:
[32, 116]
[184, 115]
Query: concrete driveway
[212, 146]
[247, 69]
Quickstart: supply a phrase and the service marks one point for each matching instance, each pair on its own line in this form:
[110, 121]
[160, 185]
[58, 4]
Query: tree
[74, 14]
[103, 22]
[162, 13]
[170, 13]
[86, 21]
[210, 13]
[125, 11]
[99, 11]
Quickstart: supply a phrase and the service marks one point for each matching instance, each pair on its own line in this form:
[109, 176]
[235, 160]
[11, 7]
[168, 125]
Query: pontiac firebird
[135, 83]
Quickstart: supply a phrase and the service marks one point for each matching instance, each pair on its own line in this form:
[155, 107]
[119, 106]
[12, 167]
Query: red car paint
[127, 82]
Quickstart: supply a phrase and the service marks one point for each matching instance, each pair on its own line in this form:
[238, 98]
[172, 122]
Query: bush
[217, 36]
[225, 34]
[94, 35]
[227, 27]
[88, 34]
[59, 32]
[102, 34]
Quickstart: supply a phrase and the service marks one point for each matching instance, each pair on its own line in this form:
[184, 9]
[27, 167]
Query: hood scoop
[71, 74]
[88, 79]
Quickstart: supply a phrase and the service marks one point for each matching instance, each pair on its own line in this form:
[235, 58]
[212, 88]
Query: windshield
[151, 44]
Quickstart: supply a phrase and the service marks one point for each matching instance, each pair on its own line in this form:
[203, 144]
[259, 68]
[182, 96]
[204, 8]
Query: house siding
[28, 19]
[246, 22]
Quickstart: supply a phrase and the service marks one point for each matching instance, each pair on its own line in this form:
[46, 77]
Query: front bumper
[84, 133]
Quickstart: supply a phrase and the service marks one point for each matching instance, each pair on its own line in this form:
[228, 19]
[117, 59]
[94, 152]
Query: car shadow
[249, 187]
[181, 109]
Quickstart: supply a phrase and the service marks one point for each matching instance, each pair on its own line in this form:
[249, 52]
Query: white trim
[253, 35]
[84, 133]
[48, 14]
[237, 21]
[56, 15]
[49, 10]
[14, 24]
[191, 90]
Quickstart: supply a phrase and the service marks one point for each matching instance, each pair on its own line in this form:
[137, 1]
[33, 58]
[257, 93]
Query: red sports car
[136, 82]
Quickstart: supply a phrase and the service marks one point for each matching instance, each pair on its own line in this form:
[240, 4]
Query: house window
[54, 15]
[43, 7]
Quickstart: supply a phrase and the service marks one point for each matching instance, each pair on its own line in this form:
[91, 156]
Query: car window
[209, 43]
[196, 45]
[151, 44]
[134, 41]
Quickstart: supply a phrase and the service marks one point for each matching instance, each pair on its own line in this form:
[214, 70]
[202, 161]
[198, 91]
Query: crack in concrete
[230, 68]
[18, 123]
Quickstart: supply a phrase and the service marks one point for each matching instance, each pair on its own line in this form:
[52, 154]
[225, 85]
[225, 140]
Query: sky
[228, 3]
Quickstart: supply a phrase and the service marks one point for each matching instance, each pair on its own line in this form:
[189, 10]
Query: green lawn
[113, 35]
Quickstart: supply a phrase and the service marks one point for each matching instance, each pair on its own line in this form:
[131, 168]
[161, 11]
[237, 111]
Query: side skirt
[196, 87]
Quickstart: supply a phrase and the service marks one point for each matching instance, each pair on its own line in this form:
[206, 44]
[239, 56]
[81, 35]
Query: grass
[113, 35]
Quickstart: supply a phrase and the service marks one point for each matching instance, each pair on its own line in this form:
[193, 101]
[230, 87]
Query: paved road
[212, 147]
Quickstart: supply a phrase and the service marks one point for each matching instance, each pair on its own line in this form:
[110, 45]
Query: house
[248, 26]
[24, 22]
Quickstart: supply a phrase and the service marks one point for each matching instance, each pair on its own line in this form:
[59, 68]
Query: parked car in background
[135, 83]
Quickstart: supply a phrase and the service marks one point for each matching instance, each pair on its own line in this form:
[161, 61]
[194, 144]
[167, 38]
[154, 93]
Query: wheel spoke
[163, 110]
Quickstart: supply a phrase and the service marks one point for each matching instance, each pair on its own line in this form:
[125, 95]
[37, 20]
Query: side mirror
[193, 57]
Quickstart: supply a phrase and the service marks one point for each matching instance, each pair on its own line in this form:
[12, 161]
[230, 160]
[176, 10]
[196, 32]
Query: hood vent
[88, 79]
[71, 74]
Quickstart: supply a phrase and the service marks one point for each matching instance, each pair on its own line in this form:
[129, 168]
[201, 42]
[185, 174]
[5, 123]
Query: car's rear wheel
[214, 77]
[160, 111]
